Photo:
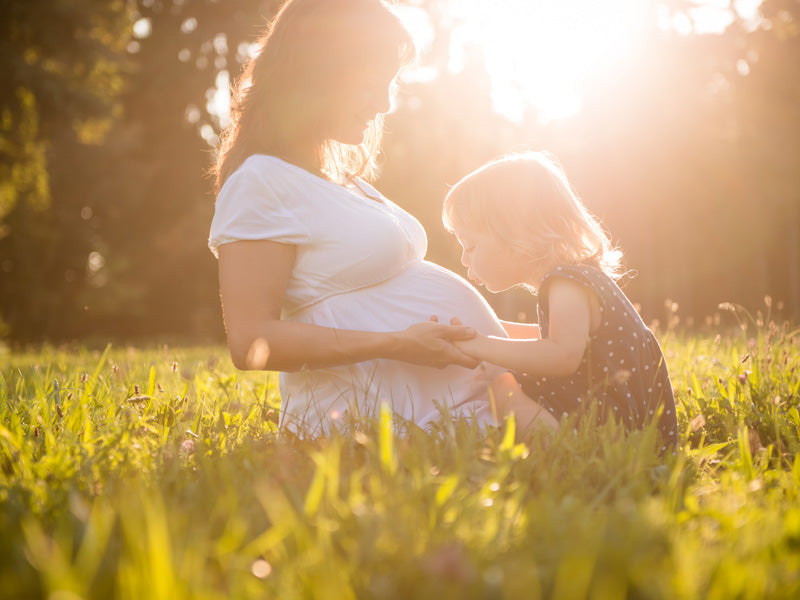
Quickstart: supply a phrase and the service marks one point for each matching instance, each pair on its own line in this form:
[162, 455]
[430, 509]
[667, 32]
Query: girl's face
[490, 262]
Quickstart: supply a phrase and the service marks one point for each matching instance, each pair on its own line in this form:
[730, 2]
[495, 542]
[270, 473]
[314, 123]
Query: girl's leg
[510, 399]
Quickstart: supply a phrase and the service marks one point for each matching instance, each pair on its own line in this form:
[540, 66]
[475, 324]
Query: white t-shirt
[360, 266]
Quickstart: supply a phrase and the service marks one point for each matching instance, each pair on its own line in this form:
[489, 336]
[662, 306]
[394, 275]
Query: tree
[688, 153]
[62, 64]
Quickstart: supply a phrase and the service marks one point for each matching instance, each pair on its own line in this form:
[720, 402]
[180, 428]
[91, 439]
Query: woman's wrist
[427, 343]
[389, 344]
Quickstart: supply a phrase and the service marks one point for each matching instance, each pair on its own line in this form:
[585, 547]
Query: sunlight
[547, 54]
[542, 53]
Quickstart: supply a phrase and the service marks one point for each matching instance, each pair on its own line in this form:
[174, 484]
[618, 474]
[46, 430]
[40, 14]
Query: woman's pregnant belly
[312, 397]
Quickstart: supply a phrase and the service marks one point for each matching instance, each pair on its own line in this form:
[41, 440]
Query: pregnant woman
[321, 277]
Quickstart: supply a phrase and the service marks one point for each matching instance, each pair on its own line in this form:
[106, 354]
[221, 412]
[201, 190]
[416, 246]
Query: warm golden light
[543, 53]
[548, 53]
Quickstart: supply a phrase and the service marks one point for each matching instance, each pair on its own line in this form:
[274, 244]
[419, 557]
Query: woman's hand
[472, 347]
[430, 343]
[469, 346]
[560, 354]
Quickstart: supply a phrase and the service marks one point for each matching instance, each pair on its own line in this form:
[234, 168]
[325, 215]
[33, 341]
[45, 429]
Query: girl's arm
[253, 276]
[524, 331]
[510, 398]
[558, 355]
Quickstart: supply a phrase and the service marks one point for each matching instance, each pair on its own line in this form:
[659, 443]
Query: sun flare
[542, 53]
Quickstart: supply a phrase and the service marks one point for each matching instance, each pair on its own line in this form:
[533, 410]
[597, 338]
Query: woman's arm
[558, 355]
[253, 276]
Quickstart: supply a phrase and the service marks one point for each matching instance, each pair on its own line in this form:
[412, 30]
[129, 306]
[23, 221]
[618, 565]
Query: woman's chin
[349, 140]
[355, 136]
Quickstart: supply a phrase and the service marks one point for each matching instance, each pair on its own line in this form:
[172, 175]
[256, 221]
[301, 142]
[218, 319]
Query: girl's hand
[430, 343]
[469, 346]
[453, 320]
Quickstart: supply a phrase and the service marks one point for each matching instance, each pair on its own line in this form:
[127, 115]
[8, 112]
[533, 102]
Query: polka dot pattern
[623, 369]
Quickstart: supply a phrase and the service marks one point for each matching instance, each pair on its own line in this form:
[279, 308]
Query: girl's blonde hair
[284, 99]
[526, 202]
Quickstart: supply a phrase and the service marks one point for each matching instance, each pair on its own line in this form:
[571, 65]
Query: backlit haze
[543, 54]
[547, 53]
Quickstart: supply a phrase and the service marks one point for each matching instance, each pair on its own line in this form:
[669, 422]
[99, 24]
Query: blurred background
[678, 122]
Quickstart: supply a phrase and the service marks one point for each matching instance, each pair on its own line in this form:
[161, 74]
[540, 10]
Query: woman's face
[359, 97]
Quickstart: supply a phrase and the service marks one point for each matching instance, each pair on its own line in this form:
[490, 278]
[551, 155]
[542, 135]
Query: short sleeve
[248, 208]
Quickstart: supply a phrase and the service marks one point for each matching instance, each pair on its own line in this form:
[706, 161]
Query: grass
[160, 473]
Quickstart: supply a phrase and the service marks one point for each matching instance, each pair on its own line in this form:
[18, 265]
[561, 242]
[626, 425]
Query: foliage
[62, 68]
[160, 473]
[683, 150]
[63, 65]
[686, 150]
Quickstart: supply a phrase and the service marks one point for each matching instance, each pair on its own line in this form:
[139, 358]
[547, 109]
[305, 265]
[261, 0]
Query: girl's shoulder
[583, 273]
[588, 276]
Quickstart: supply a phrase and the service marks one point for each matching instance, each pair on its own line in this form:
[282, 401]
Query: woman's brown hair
[281, 102]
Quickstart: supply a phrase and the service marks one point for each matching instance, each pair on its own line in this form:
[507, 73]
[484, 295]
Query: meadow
[160, 473]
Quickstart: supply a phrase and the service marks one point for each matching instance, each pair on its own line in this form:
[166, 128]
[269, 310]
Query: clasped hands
[438, 345]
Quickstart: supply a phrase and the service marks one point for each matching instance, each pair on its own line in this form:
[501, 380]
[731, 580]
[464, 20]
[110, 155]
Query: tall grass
[160, 473]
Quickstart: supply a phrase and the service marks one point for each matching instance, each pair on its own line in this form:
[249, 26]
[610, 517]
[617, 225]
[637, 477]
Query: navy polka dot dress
[623, 369]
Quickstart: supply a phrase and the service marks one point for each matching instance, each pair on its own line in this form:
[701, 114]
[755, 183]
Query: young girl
[520, 223]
